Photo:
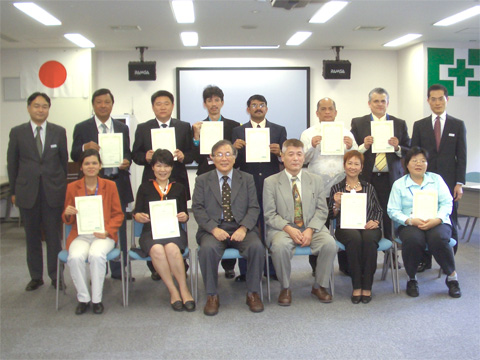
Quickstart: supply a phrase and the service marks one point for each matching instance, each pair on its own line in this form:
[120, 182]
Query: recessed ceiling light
[80, 40]
[189, 38]
[240, 47]
[183, 11]
[466, 14]
[327, 11]
[298, 38]
[36, 12]
[125, 28]
[402, 40]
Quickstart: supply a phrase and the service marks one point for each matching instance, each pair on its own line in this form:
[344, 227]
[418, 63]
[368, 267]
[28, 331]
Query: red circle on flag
[52, 74]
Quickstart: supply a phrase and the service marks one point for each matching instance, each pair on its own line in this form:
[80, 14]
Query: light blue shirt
[400, 203]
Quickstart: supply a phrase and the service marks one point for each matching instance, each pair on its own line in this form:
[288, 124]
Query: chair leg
[471, 229]
[58, 277]
[466, 227]
[332, 281]
[190, 270]
[386, 262]
[196, 275]
[129, 274]
[268, 274]
[395, 266]
[123, 278]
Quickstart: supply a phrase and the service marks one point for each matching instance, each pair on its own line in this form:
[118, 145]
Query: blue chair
[114, 255]
[133, 255]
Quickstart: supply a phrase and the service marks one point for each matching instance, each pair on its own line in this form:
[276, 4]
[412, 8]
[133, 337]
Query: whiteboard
[286, 89]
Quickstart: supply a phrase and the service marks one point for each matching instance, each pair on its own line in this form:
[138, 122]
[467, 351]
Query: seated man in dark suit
[226, 210]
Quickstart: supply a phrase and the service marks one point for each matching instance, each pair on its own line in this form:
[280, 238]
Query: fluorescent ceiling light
[80, 40]
[402, 40]
[298, 38]
[189, 38]
[234, 47]
[37, 13]
[327, 11]
[466, 14]
[183, 11]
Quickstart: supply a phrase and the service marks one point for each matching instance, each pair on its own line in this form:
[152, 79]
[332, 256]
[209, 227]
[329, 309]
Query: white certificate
[425, 205]
[163, 218]
[90, 214]
[164, 138]
[332, 138]
[211, 132]
[111, 149]
[382, 131]
[353, 214]
[257, 147]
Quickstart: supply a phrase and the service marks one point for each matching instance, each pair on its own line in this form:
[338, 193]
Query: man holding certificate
[420, 205]
[383, 140]
[295, 214]
[112, 139]
[226, 210]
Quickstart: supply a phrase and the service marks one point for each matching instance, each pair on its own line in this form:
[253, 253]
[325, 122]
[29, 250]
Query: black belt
[381, 173]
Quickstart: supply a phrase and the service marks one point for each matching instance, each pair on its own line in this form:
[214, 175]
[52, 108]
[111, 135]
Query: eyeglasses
[261, 106]
[220, 155]
[422, 162]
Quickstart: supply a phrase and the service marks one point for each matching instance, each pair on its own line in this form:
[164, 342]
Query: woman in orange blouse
[92, 247]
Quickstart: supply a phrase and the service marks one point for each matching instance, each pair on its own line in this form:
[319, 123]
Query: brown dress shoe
[322, 294]
[212, 305]
[285, 297]
[254, 303]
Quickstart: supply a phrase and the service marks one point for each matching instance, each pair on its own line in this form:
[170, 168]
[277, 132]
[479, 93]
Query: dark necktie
[297, 200]
[164, 126]
[438, 132]
[258, 126]
[38, 141]
[226, 200]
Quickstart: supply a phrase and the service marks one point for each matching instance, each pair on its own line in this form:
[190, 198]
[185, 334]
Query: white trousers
[94, 250]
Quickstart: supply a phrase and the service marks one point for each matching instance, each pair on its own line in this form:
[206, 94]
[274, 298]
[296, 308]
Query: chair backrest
[473, 177]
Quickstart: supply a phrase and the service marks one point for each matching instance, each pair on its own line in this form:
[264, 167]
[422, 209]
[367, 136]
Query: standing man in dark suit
[226, 210]
[213, 102]
[257, 108]
[37, 160]
[445, 139]
[381, 169]
[85, 136]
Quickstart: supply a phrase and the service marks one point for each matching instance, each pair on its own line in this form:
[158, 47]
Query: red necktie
[438, 132]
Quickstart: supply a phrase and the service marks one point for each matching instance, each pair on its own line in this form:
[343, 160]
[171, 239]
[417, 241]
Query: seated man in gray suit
[295, 213]
[226, 210]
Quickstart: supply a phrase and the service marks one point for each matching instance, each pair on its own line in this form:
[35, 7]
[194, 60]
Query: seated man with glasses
[226, 209]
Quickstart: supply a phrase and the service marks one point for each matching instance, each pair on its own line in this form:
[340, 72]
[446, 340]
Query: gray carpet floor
[392, 326]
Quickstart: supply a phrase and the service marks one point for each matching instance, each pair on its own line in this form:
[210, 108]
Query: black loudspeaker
[337, 69]
[142, 70]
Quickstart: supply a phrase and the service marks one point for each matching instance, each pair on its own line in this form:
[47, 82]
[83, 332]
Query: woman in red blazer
[92, 247]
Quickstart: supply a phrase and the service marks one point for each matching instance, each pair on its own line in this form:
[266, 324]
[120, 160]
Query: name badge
[53, 146]
[452, 135]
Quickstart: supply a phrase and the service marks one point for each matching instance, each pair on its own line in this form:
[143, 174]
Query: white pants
[95, 250]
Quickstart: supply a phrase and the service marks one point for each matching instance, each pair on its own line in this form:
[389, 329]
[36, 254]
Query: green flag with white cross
[456, 69]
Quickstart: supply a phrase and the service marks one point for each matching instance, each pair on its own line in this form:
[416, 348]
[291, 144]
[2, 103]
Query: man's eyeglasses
[220, 155]
[261, 106]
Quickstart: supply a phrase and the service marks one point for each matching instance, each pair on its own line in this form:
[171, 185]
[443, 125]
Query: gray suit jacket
[278, 207]
[25, 167]
[207, 202]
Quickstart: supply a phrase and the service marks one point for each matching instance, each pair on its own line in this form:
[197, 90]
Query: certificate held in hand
[90, 214]
[211, 132]
[257, 147]
[353, 214]
[163, 218]
[332, 138]
[382, 131]
[425, 205]
[111, 149]
[164, 138]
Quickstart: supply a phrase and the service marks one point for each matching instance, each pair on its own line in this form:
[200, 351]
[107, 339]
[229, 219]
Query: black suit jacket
[361, 129]
[260, 171]
[202, 160]
[87, 131]
[26, 168]
[184, 140]
[450, 162]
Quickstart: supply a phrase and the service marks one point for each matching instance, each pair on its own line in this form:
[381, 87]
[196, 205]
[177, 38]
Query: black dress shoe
[453, 288]
[81, 308]
[189, 305]
[356, 298]
[155, 276]
[366, 299]
[241, 278]
[61, 285]
[97, 308]
[177, 305]
[424, 266]
[412, 288]
[34, 284]
[230, 274]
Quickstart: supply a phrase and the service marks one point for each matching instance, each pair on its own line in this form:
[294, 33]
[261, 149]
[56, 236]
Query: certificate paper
[258, 145]
[90, 214]
[353, 214]
[163, 217]
[425, 205]
[211, 132]
[332, 138]
[164, 138]
[382, 131]
[111, 149]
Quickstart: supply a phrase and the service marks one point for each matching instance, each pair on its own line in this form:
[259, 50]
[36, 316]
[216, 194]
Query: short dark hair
[256, 97]
[211, 91]
[162, 93]
[292, 142]
[37, 94]
[221, 143]
[101, 92]
[351, 154]
[416, 150]
[326, 98]
[379, 91]
[87, 153]
[437, 87]
[162, 156]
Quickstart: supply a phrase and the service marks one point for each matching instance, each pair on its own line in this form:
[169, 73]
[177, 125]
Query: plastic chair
[132, 255]
[62, 258]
